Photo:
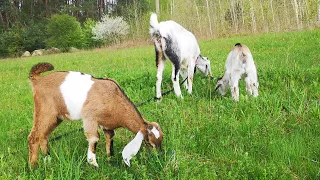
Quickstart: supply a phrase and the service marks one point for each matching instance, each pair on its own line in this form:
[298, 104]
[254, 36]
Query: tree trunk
[2, 21]
[307, 13]
[265, 24]
[157, 7]
[318, 12]
[272, 12]
[208, 14]
[198, 17]
[295, 7]
[171, 7]
[221, 16]
[242, 17]
[135, 5]
[254, 26]
[47, 8]
[286, 15]
[234, 16]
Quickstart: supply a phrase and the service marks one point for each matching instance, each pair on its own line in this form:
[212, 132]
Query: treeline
[219, 18]
[24, 23]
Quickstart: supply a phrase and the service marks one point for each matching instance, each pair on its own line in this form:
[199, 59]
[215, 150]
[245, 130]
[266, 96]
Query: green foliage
[65, 32]
[11, 42]
[34, 37]
[89, 42]
[206, 136]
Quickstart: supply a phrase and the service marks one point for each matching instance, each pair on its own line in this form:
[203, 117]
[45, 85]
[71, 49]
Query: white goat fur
[180, 46]
[239, 62]
[98, 102]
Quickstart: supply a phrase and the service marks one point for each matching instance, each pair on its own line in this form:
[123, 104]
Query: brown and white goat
[72, 96]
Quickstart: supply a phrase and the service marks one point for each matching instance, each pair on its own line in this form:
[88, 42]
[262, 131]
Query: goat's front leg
[109, 141]
[234, 81]
[191, 67]
[91, 132]
[175, 81]
[159, 78]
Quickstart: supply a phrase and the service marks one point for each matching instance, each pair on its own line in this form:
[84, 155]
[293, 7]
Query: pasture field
[274, 136]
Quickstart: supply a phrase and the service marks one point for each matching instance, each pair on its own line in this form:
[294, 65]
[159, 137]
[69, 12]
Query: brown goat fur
[106, 105]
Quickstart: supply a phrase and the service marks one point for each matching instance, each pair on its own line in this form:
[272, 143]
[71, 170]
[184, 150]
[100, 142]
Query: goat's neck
[138, 125]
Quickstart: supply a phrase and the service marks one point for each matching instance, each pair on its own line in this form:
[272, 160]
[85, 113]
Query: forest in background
[205, 18]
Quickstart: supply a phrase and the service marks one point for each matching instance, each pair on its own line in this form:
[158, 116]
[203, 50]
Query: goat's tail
[154, 25]
[238, 44]
[39, 68]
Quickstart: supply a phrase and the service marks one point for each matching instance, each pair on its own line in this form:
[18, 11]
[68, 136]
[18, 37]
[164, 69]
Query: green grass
[274, 136]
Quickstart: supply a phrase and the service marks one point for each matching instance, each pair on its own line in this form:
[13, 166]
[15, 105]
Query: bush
[89, 41]
[11, 42]
[64, 32]
[110, 30]
[34, 37]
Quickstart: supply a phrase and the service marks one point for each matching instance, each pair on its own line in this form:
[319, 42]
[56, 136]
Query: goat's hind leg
[175, 81]
[248, 85]
[91, 131]
[252, 84]
[109, 141]
[159, 78]
[234, 84]
[42, 128]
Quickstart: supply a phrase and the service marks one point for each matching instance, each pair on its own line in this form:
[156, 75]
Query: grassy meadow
[274, 136]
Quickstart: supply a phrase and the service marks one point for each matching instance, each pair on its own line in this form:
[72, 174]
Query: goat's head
[152, 135]
[203, 65]
[222, 86]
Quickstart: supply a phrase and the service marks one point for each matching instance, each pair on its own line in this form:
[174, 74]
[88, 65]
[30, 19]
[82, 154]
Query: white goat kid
[239, 62]
[180, 46]
[62, 96]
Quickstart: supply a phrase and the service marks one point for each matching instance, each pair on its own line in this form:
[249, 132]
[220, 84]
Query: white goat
[239, 62]
[180, 46]
[72, 96]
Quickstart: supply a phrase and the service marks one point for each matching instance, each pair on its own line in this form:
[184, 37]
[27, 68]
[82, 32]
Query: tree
[64, 32]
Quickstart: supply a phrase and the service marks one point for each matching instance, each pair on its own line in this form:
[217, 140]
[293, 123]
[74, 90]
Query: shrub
[64, 32]
[11, 42]
[34, 37]
[110, 30]
[89, 41]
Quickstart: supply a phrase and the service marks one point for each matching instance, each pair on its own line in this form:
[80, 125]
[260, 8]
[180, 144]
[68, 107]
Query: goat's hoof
[47, 159]
[157, 99]
[32, 165]
[93, 162]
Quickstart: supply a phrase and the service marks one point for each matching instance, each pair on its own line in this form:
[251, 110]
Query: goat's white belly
[74, 91]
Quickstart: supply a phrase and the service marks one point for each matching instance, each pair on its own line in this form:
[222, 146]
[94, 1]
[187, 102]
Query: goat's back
[185, 41]
[239, 58]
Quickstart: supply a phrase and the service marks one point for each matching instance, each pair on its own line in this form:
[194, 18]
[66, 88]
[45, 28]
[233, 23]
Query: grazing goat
[72, 96]
[180, 46]
[239, 62]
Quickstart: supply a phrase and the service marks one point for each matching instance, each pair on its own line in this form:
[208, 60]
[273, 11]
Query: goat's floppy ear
[154, 128]
[132, 148]
[217, 87]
